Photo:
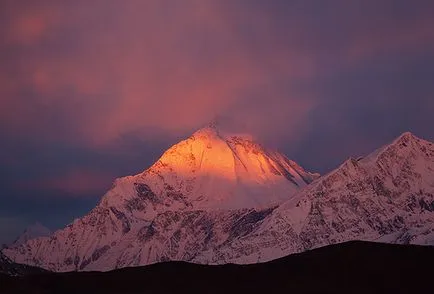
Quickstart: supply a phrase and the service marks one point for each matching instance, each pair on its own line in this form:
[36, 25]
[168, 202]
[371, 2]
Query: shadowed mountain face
[354, 267]
[10, 268]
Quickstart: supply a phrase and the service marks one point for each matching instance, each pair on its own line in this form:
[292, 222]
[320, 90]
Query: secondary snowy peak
[402, 168]
[405, 143]
[31, 232]
[214, 169]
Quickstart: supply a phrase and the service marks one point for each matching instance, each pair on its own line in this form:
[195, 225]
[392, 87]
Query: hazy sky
[91, 90]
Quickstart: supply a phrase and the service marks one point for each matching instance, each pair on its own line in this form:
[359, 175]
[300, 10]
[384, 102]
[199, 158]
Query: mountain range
[220, 197]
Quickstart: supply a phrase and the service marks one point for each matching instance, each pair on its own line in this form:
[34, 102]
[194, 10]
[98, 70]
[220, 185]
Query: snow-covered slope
[212, 169]
[387, 196]
[202, 193]
[31, 232]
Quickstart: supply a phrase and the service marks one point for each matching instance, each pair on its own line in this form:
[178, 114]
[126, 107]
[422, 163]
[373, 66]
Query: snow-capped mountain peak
[205, 190]
[214, 169]
[31, 232]
[387, 196]
[406, 141]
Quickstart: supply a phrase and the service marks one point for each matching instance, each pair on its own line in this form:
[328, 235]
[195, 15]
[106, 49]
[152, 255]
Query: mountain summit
[214, 169]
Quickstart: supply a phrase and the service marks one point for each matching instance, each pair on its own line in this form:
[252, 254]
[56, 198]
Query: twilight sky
[93, 90]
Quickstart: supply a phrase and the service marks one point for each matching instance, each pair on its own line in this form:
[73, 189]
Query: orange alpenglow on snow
[216, 169]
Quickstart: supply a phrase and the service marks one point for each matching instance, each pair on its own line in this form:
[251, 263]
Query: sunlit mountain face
[216, 169]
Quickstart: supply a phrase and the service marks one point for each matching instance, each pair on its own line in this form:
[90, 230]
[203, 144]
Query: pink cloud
[108, 68]
[137, 71]
[28, 29]
[28, 24]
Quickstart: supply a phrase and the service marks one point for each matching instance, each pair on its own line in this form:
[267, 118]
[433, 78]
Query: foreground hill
[353, 267]
[10, 268]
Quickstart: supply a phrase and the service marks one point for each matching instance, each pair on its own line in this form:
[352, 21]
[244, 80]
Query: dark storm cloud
[94, 90]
